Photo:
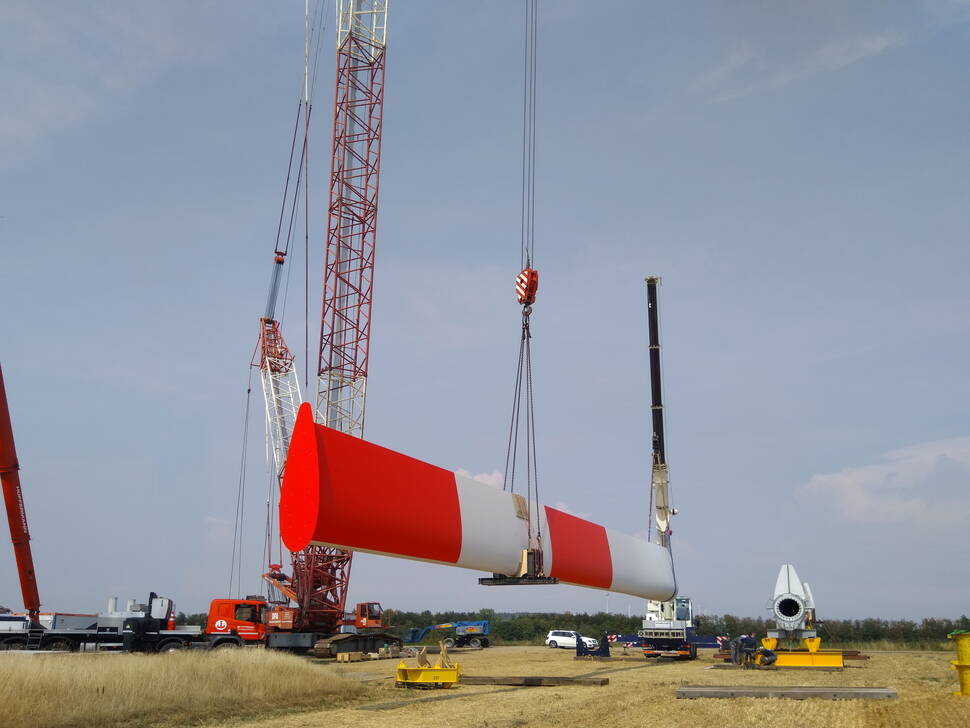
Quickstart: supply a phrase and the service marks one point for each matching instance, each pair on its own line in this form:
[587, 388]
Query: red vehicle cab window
[246, 613]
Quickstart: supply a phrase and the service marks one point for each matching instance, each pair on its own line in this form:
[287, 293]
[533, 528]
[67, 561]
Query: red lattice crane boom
[324, 573]
[13, 499]
[320, 576]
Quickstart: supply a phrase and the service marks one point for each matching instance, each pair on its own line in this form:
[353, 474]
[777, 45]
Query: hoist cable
[532, 133]
[523, 424]
[294, 208]
[321, 27]
[531, 460]
[235, 567]
[306, 249]
[289, 172]
[269, 526]
[527, 218]
[511, 454]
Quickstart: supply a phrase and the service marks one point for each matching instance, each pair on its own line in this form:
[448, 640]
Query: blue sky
[796, 173]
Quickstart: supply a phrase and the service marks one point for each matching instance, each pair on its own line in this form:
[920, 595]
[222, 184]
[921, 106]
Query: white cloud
[59, 72]
[842, 53]
[733, 62]
[902, 487]
[494, 479]
[824, 59]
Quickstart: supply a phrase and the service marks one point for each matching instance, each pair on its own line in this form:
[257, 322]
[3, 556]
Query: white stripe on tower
[492, 535]
[639, 566]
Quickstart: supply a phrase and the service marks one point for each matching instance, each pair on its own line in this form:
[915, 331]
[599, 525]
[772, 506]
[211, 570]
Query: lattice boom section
[341, 405]
[321, 573]
[352, 228]
[281, 390]
[366, 19]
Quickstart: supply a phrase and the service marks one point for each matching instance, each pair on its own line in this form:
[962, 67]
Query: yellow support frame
[811, 656]
[428, 677]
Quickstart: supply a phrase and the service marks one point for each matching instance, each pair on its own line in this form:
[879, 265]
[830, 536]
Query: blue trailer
[467, 634]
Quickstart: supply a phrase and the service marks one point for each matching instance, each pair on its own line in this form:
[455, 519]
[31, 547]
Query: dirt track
[642, 693]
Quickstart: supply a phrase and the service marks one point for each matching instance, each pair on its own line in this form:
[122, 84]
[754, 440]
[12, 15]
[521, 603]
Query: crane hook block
[526, 286]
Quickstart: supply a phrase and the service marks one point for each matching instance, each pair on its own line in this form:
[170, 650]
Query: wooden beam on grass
[781, 691]
[533, 680]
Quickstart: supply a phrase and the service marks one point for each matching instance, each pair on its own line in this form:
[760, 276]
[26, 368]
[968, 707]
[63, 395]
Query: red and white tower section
[464, 522]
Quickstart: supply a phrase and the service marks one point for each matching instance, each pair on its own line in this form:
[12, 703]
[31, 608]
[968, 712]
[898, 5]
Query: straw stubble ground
[642, 694]
[260, 689]
[109, 689]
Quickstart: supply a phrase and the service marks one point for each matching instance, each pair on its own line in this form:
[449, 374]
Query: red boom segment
[13, 499]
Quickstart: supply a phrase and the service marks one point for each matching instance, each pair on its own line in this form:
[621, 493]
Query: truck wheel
[171, 646]
[485, 642]
[449, 642]
[60, 644]
[553, 644]
[693, 653]
[13, 643]
[474, 642]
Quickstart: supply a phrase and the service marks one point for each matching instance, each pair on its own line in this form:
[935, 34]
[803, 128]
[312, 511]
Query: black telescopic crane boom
[656, 405]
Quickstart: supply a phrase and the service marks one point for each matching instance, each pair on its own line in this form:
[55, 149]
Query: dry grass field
[256, 689]
[61, 690]
[642, 694]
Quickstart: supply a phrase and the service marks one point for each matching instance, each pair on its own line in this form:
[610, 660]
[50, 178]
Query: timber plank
[533, 680]
[731, 666]
[801, 692]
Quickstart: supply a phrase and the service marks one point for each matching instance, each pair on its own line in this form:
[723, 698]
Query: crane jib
[13, 499]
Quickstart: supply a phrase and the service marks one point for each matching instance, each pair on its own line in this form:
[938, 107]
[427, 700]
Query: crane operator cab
[683, 609]
[369, 615]
[366, 615]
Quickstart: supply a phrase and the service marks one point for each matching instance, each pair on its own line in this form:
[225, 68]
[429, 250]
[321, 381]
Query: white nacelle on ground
[792, 606]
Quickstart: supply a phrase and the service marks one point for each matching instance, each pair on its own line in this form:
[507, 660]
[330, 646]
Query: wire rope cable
[522, 424]
[235, 567]
[296, 194]
[527, 219]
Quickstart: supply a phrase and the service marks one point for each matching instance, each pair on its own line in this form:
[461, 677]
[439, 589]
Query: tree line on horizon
[533, 626]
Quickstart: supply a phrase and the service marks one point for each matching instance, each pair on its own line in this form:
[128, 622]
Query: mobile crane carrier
[668, 626]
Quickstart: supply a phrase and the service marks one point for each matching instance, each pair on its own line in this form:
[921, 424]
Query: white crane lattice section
[366, 19]
[281, 390]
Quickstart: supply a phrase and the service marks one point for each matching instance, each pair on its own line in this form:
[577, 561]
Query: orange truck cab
[242, 617]
[368, 615]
